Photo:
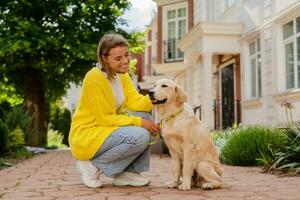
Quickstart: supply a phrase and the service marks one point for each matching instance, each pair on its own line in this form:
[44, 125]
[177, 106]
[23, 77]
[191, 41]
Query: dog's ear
[180, 95]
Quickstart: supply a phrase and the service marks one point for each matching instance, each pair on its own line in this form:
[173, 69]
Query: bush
[4, 108]
[15, 140]
[54, 140]
[60, 120]
[18, 116]
[3, 137]
[251, 144]
[220, 138]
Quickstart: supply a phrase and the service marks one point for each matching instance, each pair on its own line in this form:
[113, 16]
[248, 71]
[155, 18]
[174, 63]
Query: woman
[103, 137]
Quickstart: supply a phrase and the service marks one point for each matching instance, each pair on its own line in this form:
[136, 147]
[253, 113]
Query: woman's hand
[150, 126]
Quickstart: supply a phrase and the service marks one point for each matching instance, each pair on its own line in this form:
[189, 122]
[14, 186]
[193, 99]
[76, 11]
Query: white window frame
[229, 3]
[176, 20]
[292, 39]
[258, 80]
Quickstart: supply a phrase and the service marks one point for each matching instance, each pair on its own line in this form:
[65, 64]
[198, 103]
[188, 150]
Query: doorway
[227, 92]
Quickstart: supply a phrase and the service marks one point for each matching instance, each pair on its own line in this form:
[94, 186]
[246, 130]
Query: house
[238, 60]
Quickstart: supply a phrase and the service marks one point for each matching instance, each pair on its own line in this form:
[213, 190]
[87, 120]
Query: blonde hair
[106, 43]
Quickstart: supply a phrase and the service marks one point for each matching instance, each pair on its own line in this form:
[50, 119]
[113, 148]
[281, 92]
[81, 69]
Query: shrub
[248, 145]
[15, 140]
[4, 108]
[22, 153]
[220, 138]
[18, 116]
[60, 119]
[54, 139]
[3, 137]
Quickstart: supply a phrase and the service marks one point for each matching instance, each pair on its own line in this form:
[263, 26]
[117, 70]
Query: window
[255, 66]
[229, 3]
[291, 42]
[176, 28]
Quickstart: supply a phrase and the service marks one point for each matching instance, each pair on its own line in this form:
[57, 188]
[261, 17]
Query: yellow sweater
[96, 117]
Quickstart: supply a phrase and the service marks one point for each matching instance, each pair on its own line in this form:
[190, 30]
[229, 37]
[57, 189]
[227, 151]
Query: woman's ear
[104, 58]
[180, 95]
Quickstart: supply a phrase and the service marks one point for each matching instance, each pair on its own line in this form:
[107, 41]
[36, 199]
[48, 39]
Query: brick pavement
[53, 176]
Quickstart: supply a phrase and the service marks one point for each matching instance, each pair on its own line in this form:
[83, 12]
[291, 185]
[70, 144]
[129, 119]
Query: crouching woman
[102, 138]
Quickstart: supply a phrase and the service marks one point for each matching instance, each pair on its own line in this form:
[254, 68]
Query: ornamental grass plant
[248, 146]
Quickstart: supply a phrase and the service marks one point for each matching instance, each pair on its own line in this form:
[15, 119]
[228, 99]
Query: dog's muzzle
[156, 101]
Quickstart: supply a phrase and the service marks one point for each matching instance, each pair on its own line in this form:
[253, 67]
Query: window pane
[253, 78]
[298, 60]
[298, 24]
[171, 14]
[259, 75]
[181, 28]
[252, 48]
[170, 43]
[258, 45]
[181, 12]
[288, 29]
[229, 3]
[170, 49]
[171, 30]
[289, 63]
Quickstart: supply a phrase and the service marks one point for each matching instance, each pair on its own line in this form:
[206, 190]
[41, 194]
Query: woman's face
[118, 59]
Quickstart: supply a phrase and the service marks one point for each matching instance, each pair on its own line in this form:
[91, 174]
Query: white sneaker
[89, 174]
[130, 178]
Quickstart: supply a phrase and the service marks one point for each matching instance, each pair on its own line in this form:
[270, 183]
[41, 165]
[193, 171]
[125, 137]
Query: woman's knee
[142, 136]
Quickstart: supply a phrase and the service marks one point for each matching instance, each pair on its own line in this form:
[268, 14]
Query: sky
[139, 14]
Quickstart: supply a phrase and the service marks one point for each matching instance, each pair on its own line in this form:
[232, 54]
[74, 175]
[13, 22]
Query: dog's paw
[184, 186]
[207, 186]
[171, 184]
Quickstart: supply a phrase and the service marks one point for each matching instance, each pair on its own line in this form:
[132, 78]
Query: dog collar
[171, 117]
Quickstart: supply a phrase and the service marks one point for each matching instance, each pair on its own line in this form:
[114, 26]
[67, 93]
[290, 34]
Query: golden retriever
[193, 154]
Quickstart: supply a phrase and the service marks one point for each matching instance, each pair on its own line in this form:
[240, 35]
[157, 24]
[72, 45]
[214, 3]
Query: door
[227, 96]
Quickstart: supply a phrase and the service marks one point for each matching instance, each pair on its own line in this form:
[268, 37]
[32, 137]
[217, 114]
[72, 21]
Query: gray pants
[126, 149]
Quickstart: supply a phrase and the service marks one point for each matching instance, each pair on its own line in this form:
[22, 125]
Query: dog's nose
[151, 94]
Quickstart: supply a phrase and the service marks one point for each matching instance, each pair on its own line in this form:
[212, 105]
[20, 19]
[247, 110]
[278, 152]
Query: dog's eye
[164, 85]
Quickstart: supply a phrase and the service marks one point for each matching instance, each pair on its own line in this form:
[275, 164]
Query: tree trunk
[35, 102]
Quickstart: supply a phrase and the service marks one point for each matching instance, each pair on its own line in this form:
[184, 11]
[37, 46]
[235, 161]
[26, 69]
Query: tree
[45, 45]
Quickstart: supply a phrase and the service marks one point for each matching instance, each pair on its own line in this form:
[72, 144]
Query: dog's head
[166, 91]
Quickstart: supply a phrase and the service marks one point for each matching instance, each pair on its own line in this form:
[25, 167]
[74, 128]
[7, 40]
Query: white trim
[215, 29]
[280, 18]
[291, 40]
[167, 2]
[168, 68]
[164, 16]
[255, 57]
[165, 21]
[293, 94]
[252, 103]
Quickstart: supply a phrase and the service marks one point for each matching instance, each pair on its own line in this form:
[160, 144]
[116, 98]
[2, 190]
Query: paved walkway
[53, 176]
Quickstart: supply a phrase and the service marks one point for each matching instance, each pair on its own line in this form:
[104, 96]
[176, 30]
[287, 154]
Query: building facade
[238, 60]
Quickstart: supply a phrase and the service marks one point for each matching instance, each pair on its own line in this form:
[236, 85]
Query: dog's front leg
[176, 171]
[187, 171]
